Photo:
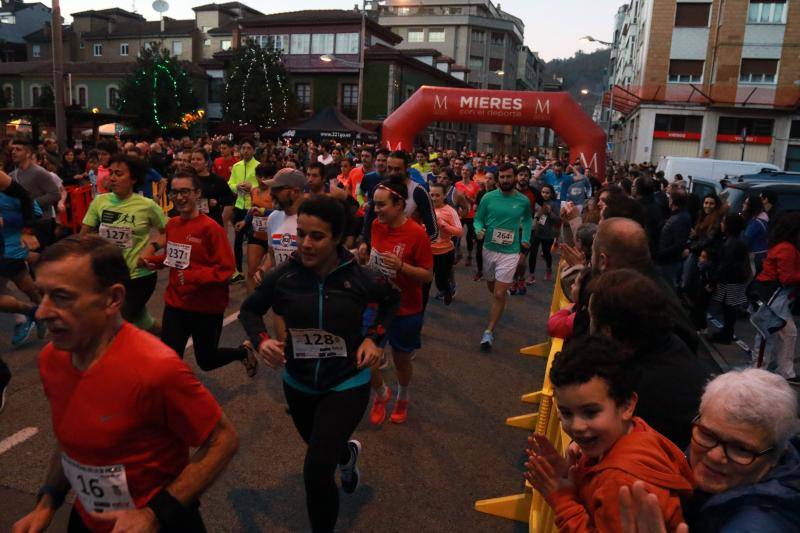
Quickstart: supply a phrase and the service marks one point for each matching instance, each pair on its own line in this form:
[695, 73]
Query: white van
[701, 167]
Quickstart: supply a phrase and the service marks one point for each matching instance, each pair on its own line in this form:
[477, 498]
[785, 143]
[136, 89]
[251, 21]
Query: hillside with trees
[581, 71]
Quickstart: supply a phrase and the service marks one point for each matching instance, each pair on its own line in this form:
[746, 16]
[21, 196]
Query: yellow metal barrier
[529, 506]
[160, 197]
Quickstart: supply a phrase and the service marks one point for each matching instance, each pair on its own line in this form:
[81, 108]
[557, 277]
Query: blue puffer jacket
[771, 506]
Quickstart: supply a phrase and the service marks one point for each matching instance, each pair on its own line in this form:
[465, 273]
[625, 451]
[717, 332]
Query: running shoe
[22, 331]
[513, 290]
[478, 276]
[400, 412]
[250, 360]
[548, 276]
[487, 340]
[378, 412]
[522, 290]
[349, 472]
[531, 279]
[237, 277]
[448, 298]
[3, 389]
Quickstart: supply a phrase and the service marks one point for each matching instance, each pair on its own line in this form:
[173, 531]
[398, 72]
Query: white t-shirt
[282, 232]
[325, 160]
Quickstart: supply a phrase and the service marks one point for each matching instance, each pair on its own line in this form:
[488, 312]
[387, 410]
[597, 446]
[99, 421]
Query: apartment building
[18, 19]
[707, 78]
[477, 35]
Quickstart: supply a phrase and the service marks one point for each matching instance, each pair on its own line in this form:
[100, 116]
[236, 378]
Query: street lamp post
[58, 77]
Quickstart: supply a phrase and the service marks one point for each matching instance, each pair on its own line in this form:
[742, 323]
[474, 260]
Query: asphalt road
[422, 476]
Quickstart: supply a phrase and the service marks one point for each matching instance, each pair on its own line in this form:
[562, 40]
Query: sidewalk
[738, 353]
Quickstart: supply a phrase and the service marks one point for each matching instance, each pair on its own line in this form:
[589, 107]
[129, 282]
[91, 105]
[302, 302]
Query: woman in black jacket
[321, 294]
[732, 276]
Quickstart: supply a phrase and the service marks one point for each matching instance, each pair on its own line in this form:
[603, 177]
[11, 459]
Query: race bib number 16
[100, 488]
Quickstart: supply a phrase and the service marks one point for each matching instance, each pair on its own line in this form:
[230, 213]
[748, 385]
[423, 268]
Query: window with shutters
[124, 49]
[347, 43]
[685, 71]
[300, 43]
[350, 99]
[303, 93]
[83, 98]
[478, 36]
[691, 15]
[436, 35]
[97, 49]
[759, 71]
[416, 36]
[767, 12]
[322, 43]
[8, 94]
[495, 64]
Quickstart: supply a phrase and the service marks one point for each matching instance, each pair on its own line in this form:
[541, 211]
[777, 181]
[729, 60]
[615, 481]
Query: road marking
[230, 319]
[17, 438]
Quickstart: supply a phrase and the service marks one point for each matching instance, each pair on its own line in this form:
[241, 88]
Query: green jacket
[243, 172]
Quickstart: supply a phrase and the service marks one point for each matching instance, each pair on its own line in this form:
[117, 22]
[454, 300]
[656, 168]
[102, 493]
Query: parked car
[702, 185]
[708, 168]
[788, 194]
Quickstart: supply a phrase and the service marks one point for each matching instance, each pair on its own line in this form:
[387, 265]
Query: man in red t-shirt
[125, 409]
[223, 164]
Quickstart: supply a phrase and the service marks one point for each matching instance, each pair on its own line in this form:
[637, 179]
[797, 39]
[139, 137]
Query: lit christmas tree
[257, 89]
[158, 94]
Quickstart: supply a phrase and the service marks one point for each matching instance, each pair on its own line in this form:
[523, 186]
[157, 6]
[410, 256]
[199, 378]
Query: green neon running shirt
[501, 217]
[127, 223]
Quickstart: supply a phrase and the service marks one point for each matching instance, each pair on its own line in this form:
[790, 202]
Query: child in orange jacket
[594, 390]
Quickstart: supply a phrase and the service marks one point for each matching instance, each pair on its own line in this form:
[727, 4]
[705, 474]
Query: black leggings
[547, 245]
[443, 270]
[139, 291]
[204, 329]
[470, 233]
[191, 522]
[238, 241]
[325, 422]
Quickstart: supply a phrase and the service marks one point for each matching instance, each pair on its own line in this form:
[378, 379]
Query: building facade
[706, 78]
[18, 19]
[321, 52]
[477, 35]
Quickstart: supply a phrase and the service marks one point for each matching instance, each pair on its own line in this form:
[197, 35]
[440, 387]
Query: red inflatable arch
[555, 110]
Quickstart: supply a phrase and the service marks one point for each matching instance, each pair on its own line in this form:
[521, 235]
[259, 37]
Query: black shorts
[11, 268]
[139, 291]
[258, 242]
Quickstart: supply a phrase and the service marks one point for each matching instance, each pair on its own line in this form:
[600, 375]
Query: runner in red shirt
[469, 188]
[201, 264]
[125, 409]
[401, 249]
[223, 164]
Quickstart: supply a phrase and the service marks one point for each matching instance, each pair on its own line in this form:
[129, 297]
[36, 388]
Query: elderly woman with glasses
[745, 455]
